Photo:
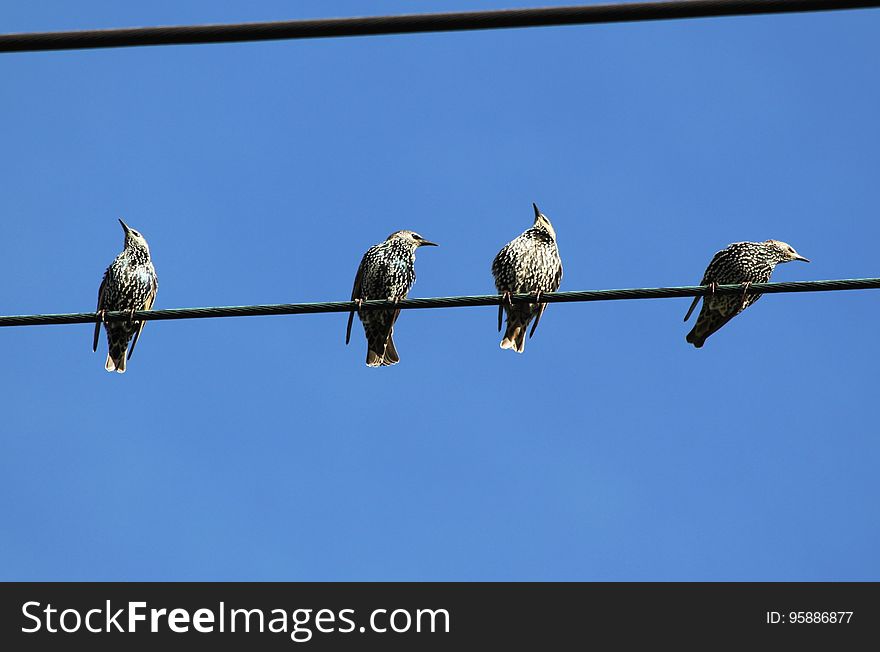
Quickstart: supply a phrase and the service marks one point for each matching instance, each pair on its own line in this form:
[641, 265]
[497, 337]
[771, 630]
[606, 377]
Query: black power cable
[440, 302]
[414, 23]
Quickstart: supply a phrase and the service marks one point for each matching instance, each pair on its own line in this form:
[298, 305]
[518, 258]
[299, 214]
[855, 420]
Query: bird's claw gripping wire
[101, 316]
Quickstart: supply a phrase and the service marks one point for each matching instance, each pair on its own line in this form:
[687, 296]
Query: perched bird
[130, 283]
[740, 262]
[528, 264]
[387, 271]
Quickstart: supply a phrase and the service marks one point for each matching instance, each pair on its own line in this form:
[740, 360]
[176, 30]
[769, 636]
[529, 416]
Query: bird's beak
[124, 226]
[799, 257]
[537, 210]
[428, 243]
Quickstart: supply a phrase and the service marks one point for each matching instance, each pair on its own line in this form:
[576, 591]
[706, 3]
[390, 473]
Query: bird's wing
[708, 277]
[355, 294]
[148, 305]
[557, 281]
[693, 305]
[541, 308]
[496, 271]
[98, 309]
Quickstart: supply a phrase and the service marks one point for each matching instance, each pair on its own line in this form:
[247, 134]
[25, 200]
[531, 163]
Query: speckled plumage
[130, 284]
[740, 262]
[387, 271]
[529, 263]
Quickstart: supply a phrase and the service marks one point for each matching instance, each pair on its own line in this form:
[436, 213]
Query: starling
[387, 271]
[530, 264]
[130, 284]
[740, 262]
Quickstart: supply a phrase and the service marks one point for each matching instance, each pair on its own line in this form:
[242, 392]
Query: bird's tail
[115, 364]
[514, 336]
[382, 352]
[116, 357]
[695, 338]
[518, 318]
[707, 323]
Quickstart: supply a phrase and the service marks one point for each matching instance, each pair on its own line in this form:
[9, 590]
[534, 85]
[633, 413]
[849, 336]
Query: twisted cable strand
[438, 302]
[414, 23]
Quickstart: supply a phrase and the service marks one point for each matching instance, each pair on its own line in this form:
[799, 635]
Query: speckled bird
[387, 271]
[529, 263]
[741, 262]
[130, 284]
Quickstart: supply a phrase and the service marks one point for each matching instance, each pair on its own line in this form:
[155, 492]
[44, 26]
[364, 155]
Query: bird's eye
[416, 236]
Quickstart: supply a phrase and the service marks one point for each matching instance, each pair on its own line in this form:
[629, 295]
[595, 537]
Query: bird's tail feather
[116, 357]
[391, 356]
[382, 353]
[115, 364]
[708, 323]
[514, 337]
[377, 360]
[696, 339]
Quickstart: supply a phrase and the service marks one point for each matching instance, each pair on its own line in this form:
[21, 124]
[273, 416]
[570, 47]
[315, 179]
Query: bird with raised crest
[739, 263]
[129, 284]
[387, 271]
[528, 264]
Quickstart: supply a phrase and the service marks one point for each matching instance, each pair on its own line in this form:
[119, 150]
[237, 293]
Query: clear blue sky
[264, 449]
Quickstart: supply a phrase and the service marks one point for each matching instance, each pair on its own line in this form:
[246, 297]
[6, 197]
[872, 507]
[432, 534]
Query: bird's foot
[712, 287]
[131, 316]
[101, 315]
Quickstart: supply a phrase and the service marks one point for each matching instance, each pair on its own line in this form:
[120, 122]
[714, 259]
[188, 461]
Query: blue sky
[264, 449]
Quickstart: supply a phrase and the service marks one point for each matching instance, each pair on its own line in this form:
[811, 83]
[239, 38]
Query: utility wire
[440, 302]
[414, 23]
